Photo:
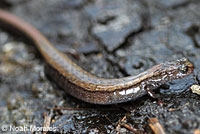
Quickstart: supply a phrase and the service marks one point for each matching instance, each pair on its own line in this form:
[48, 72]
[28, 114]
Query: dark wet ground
[112, 38]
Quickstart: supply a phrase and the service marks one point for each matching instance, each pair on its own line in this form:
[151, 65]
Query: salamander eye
[183, 69]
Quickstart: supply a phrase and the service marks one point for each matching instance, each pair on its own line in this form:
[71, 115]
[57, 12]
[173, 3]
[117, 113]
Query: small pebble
[195, 89]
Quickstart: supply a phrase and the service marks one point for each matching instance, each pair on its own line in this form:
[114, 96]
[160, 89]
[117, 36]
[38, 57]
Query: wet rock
[75, 3]
[115, 21]
[90, 48]
[146, 50]
[136, 64]
[169, 3]
[155, 47]
[64, 27]
[178, 86]
[172, 3]
[167, 19]
[172, 120]
[197, 38]
[104, 68]
[84, 122]
[3, 37]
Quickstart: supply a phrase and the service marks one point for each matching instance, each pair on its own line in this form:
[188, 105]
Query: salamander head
[177, 68]
[174, 69]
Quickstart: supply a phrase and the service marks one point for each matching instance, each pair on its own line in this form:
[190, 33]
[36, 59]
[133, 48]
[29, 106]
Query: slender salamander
[87, 87]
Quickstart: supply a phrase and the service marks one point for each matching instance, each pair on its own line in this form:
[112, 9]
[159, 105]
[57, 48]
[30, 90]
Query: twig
[175, 109]
[123, 124]
[119, 124]
[132, 129]
[197, 131]
[156, 126]
[47, 122]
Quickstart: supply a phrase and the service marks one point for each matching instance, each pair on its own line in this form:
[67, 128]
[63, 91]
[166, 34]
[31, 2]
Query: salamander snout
[185, 66]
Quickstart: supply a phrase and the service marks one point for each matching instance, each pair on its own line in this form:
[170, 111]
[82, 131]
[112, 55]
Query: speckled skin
[164, 72]
[87, 87]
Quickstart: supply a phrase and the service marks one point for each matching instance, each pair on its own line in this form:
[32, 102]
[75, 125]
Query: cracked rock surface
[110, 39]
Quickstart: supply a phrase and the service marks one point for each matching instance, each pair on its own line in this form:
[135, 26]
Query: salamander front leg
[152, 94]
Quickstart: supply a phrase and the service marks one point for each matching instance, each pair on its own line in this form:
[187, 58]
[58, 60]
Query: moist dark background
[109, 38]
